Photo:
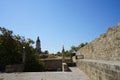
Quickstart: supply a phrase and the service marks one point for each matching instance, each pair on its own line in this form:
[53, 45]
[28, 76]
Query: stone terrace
[76, 74]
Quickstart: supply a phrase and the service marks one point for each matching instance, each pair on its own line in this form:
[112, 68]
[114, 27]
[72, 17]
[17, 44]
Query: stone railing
[100, 69]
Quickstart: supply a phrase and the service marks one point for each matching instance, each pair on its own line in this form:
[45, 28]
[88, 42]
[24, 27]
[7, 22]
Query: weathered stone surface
[107, 47]
[102, 56]
[54, 64]
[100, 69]
[14, 68]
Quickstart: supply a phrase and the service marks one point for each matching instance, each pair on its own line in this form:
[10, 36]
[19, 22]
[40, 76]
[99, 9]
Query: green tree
[82, 45]
[73, 49]
[58, 54]
[76, 48]
[11, 50]
[46, 52]
[32, 61]
[67, 53]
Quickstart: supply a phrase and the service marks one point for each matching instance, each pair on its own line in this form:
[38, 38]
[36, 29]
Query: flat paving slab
[75, 74]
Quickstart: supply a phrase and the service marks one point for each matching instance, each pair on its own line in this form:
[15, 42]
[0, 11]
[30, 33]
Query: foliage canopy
[11, 51]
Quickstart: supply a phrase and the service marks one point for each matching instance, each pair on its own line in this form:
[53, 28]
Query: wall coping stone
[101, 61]
[100, 69]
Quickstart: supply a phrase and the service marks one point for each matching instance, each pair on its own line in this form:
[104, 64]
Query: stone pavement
[76, 74]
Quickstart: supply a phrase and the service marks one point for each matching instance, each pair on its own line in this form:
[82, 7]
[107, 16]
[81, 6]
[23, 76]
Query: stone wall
[99, 69]
[14, 68]
[107, 47]
[102, 56]
[54, 64]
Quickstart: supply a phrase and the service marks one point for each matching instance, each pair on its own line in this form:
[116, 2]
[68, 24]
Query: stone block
[64, 67]
[100, 69]
[14, 68]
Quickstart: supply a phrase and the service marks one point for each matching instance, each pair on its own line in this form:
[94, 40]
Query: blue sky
[59, 22]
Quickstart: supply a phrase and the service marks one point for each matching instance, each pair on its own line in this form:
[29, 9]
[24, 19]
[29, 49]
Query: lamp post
[24, 54]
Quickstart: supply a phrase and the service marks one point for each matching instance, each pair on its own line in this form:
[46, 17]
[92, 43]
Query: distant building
[38, 46]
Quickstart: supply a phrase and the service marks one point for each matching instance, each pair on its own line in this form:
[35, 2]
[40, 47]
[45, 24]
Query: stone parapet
[14, 68]
[100, 69]
[53, 64]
